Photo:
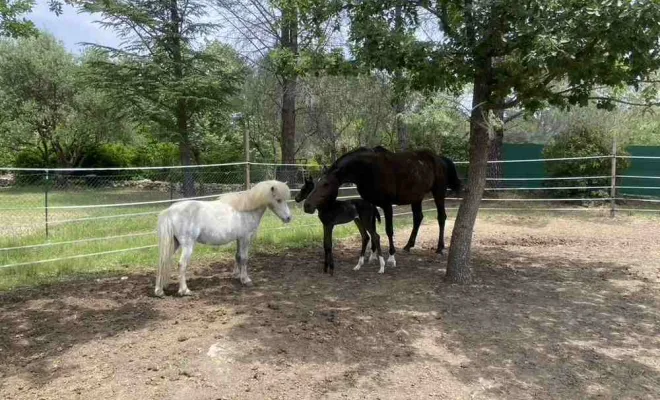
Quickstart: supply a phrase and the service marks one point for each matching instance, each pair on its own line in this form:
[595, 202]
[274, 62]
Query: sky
[70, 27]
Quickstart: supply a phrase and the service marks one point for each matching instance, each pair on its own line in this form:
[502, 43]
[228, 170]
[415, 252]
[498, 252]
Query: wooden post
[613, 177]
[171, 179]
[246, 143]
[46, 201]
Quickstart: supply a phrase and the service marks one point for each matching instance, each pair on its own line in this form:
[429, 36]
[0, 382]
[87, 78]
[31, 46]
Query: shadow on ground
[533, 326]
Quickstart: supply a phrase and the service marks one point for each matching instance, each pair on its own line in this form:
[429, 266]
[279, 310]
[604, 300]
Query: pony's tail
[453, 181]
[376, 214]
[166, 249]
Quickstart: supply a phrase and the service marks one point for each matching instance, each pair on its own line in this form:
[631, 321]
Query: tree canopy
[513, 54]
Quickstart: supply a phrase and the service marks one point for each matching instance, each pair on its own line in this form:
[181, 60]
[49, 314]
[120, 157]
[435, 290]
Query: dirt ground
[563, 308]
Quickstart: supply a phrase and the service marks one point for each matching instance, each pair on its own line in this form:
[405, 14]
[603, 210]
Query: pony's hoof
[248, 283]
[381, 270]
[186, 292]
[373, 257]
[407, 248]
[357, 267]
[439, 251]
[160, 293]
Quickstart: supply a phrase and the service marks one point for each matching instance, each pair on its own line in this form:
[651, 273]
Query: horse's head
[325, 191]
[306, 189]
[278, 196]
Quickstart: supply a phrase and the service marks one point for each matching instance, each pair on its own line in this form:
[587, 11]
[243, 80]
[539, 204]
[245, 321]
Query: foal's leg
[370, 223]
[365, 242]
[186, 253]
[417, 221]
[243, 245]
[373, 256]
[439, 197]
[389, 229]
[375, 243]
[329, 262]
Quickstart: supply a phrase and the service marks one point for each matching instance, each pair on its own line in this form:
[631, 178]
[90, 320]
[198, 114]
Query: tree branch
[626, 102]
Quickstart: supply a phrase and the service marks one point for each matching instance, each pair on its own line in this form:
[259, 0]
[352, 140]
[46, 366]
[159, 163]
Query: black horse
[339, 212]
[384, 178]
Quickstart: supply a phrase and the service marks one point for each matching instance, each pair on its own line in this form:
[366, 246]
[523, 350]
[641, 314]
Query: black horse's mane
[361, 149]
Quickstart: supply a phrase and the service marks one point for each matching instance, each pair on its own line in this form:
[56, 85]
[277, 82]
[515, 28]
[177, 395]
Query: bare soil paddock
[565, 308]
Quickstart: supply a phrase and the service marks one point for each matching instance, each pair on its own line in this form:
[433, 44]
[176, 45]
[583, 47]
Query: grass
[19, 209]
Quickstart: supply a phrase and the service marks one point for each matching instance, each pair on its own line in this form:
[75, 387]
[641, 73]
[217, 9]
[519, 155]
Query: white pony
[234, 216]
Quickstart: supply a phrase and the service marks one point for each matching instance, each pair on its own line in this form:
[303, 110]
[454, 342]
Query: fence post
[246, 143]
[171, 179]
[46, 200]
[613, 177]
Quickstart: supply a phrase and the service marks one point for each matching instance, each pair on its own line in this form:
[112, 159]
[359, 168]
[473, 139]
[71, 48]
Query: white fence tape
[638, 177]
[549, 188]
[243, 163]
[101, 253]
[640, 157]
[40, 245]
[306, 216]
[548, 178]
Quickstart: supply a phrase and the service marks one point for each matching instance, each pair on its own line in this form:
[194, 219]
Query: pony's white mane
[259, 196]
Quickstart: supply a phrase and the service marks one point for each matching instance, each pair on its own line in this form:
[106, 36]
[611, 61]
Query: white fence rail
[41, 210]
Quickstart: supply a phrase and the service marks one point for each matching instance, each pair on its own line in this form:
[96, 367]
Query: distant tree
[48, 108]
[290, 39]
[38, 87]
[341, 113]
[163, 70]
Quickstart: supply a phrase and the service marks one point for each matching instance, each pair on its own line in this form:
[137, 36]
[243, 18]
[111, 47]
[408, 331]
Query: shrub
[581, 139]
[108, 156]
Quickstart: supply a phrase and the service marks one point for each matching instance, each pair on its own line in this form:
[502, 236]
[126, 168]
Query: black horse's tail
[376, 214]
[453, 181]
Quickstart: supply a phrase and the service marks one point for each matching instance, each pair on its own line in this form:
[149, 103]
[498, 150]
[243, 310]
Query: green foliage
[31, 158]
[437, 125]
[15, 26]
[47, 106]
[633, 125]
[37, 84]
[154, 154]
[584, 44]
[11, 22]
[341, 113]
[110, 155]
[582, 139]
[158, 70]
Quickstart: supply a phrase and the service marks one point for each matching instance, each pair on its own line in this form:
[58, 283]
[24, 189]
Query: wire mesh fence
[65, 214]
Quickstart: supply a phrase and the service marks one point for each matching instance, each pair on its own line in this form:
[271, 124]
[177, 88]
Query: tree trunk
[288, 141]
[289, 41]
[186, 153]
[458, 262]
[400, 93]
[401, 126]
[185, 148]
[495, 170]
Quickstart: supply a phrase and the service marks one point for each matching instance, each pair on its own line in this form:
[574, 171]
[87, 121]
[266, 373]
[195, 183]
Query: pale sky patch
[71, 27]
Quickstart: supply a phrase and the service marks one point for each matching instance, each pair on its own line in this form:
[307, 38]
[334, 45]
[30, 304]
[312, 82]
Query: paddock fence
[55, 215]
